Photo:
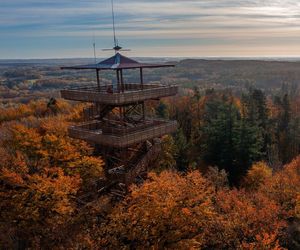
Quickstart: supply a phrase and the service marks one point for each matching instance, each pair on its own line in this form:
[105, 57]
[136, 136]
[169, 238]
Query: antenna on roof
[113, 19]
[116, 47]
[94, 47]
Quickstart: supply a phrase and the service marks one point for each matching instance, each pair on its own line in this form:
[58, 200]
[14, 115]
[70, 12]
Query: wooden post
[122, 88]
[118, 79]
[122, 81]
[141, 76]
[98, 79]
[142, 87]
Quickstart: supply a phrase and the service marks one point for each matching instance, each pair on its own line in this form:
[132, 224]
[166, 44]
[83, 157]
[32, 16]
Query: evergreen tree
[184, 118]
[287, 128]
[228, 140]
[162, 110]
[181, 156]
[216, 144]
[255, 112]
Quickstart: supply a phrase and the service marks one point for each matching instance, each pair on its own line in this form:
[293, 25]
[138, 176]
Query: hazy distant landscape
[22, 80]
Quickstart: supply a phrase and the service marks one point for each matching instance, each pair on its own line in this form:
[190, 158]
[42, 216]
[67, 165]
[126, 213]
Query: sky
[172, 28]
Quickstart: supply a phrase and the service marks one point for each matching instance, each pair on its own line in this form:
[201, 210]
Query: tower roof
[118, 61]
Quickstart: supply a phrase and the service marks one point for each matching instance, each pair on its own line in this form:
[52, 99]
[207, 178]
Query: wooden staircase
[136, 168]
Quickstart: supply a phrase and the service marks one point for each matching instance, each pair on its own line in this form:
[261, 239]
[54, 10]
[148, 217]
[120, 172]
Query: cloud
[184, 23]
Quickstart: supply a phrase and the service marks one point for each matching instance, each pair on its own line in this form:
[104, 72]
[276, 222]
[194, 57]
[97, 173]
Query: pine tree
[162, 110]
[228, 140]
[181, 155]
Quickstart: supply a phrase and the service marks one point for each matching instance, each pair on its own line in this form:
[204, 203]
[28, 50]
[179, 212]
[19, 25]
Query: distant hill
[263, 74]
[21, 80]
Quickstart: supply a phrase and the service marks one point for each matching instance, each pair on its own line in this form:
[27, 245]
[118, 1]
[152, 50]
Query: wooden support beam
[122, 81]
[141, 77]
[122, 109]
[98, 79]
[118, 78]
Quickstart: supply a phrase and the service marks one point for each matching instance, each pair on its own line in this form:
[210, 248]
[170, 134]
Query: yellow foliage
[55, 188]
[24, 139]
[54, 125]
[166, 157]
[59, 150]
[257, 175]
[90, 169]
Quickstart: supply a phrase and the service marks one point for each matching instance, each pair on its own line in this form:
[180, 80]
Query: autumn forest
[228, 178]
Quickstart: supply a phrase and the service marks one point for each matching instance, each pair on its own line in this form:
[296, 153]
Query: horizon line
[179, 57]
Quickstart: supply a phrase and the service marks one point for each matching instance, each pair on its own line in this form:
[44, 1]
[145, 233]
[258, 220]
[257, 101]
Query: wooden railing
[109, 88]
[92, 132]
[116, 98]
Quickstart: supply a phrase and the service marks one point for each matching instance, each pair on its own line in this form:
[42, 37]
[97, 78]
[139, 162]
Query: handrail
[126, 131]
[128, 86]
[114, 98]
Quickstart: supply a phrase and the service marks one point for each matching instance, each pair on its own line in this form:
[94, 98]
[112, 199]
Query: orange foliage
[182, 212]
[169, 210]
[297, 208]
[35, 205]
[263, 242]
[39, 108]
[284, 187]
[41, 172]
[242, 217]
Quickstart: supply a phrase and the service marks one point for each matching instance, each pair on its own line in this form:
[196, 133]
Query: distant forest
[22, 82]
[229, 178]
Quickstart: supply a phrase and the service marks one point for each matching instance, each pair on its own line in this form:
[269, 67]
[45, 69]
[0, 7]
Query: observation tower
[116, 120]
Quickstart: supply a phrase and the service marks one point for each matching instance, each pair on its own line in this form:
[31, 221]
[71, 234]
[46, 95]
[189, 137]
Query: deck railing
[110, 88]
[92, 132]
[132, 94]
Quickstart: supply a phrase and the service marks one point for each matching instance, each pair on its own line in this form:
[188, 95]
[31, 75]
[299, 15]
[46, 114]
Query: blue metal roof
[118, 61]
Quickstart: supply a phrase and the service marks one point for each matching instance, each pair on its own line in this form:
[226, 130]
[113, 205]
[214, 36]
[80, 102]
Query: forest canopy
[229, 178]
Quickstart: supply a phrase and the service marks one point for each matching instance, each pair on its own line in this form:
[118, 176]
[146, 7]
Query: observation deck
[113, 135]
[117, 117]
[125, 94]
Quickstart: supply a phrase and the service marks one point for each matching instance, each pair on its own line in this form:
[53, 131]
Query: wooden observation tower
[116, 121]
